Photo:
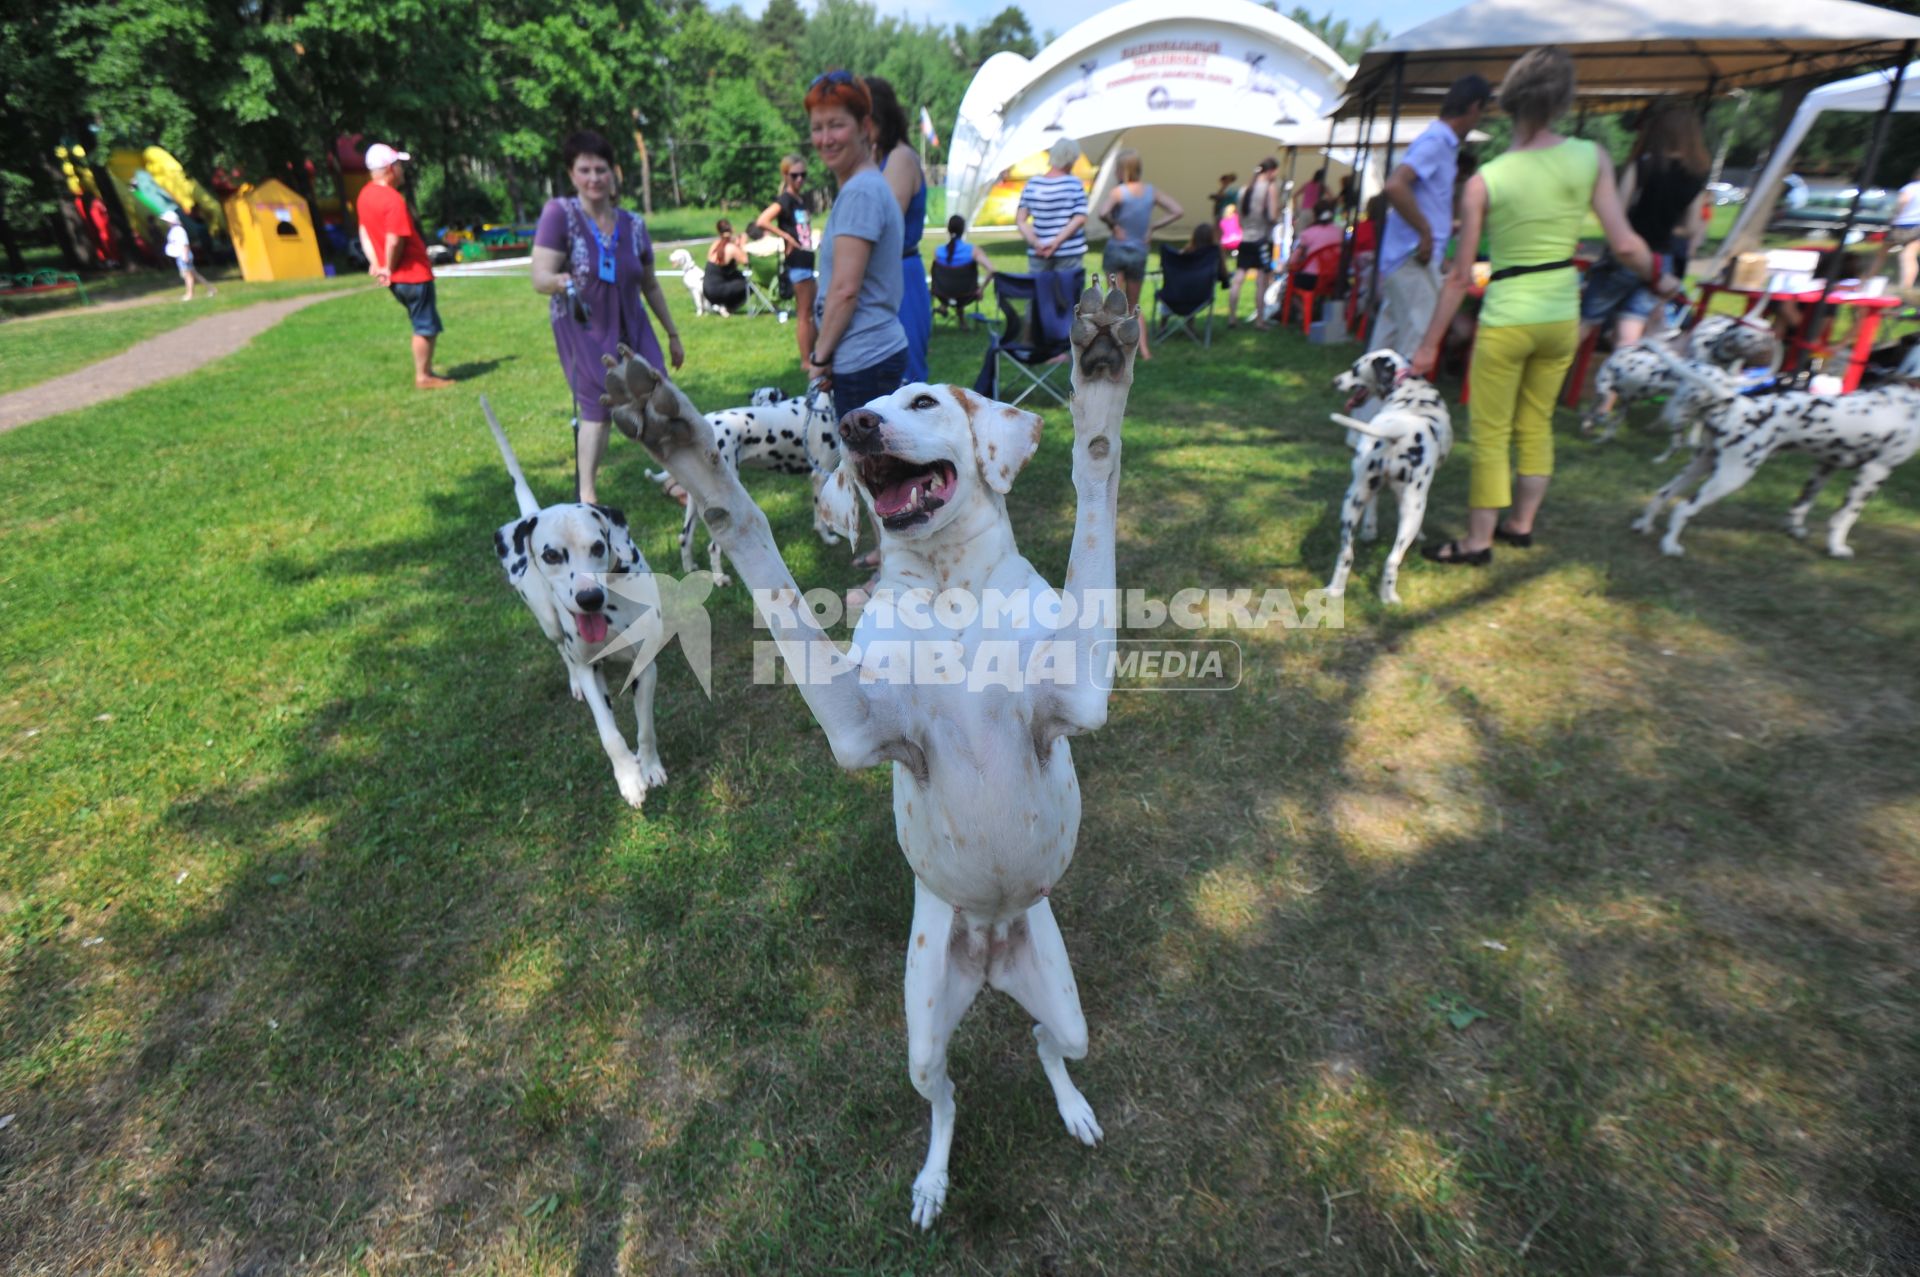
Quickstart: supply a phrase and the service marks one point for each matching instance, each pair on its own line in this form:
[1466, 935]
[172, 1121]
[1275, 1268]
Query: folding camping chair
[956, 287]
[764, 258]
[1186, 286]
[1036, 320]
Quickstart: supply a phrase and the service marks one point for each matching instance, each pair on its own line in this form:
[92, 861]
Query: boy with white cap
[180, 249]
[397, 255]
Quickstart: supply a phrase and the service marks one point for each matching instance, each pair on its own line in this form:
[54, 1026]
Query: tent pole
[1386, 167]
[1361, 153]
[1860, 185]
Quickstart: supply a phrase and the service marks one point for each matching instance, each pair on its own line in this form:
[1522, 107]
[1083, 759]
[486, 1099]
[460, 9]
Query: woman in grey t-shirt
[860, 348]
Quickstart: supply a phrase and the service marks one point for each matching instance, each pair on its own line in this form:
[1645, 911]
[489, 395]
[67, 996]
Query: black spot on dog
[499, 544]
[521, 531]
[619, 519]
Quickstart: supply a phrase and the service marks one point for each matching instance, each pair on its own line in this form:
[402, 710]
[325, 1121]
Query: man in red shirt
[397, 256]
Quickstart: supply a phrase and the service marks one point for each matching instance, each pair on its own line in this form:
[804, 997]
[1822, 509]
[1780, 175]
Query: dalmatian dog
[1870, 432]
[1637, 373]
[1401, 446]
[696, 281]
[561, 559]
[986, 804]
[773, 432]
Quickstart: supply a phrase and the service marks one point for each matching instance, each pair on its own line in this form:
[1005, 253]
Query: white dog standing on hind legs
[986, 804]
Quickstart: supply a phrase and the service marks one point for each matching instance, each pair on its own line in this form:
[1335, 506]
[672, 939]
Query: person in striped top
[1053, 213]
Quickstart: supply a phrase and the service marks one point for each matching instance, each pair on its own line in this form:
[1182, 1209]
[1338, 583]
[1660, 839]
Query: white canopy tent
[1199, 89]
[1628, 50]
[1863, 93]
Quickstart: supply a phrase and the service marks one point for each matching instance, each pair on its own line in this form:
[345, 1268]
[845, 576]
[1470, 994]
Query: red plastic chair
[1324, 266]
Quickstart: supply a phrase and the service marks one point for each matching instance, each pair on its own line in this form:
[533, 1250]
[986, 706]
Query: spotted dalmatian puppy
[560, 559]
[1870, 432]
[1636, 373]
[1401, 446]
[773, 433]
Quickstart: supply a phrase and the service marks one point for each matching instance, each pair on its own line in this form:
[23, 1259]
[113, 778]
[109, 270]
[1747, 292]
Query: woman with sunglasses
[596, 262]
[860, 349]
[790, 216]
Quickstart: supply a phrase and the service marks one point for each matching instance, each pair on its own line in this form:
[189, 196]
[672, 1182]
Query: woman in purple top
[595, 261]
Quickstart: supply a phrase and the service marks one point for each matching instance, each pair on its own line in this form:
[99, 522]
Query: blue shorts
[418, 299]
[799, 274]
[862, 386]
[1611, 291]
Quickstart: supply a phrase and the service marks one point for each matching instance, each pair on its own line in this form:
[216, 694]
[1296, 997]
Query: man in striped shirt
[1053, 213]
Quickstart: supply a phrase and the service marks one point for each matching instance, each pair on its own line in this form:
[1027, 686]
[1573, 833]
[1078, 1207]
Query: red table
[1871, 311]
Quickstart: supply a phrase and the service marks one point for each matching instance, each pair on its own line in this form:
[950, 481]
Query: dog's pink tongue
[896, 497]
[593, 626]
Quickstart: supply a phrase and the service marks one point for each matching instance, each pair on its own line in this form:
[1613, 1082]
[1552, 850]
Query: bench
[36, 282]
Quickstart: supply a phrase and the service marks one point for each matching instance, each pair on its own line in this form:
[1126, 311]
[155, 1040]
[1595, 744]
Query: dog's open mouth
[592, 626]
[1357, 398]
[906, 491]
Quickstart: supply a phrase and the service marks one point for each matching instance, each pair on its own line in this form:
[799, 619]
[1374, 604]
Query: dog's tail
[521, 491]
[1391, 426]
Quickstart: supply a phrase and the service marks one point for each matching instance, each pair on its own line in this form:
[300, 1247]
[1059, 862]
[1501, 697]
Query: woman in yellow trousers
[1531, 202]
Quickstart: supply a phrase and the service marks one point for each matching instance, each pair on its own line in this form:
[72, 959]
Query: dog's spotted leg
[864, 726]
[1360, 496]
[1865, 484]
[1370, 519]
[719, 566]
[1412, 509]
[1728, 477]
[946, 965]
[1694, 471]
[1105, 337]
[1033, 970]
[627, 771]
[687, 527]
[1797, 515]
[646, 740]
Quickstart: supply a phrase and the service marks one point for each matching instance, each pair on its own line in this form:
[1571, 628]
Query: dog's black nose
[590, 600]
[860, 430]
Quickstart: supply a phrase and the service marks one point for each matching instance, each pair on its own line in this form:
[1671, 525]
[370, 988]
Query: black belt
[1508, 272]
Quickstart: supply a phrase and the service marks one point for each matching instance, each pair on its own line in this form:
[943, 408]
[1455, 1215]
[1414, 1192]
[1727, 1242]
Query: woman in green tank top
[1531, 203]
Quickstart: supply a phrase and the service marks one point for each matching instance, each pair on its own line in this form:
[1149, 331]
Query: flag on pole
[926, 128]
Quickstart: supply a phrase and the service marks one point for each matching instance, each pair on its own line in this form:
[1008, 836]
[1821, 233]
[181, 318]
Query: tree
[1337, 33]
[1007, 31]
[784, 24]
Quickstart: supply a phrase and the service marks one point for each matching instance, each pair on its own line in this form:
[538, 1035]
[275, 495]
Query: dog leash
[812, 405]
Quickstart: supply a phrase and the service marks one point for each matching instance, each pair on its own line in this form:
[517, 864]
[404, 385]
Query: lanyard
[609, 246]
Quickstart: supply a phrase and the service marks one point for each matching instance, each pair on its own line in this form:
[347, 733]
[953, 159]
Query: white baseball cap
[380, 155]
[170, 217]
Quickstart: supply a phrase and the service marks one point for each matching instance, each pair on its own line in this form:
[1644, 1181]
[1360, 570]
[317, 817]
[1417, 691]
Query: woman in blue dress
[901, 167]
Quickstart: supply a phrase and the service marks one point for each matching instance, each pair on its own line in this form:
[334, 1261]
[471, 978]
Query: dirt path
[171, 354]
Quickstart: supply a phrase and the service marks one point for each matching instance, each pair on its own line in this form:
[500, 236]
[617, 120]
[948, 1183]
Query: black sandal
[1452, 554]
[1519, 540]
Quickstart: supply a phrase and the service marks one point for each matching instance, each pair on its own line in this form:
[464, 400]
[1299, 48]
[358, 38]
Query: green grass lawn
[34, 352]
[1561, 921]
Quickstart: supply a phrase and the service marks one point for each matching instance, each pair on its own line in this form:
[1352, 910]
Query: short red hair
[849, 95]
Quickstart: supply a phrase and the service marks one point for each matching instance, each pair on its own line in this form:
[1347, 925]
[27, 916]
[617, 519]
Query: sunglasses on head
[831, 77]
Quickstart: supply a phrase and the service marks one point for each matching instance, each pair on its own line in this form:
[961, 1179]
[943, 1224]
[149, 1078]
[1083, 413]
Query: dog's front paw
[1389, 595]
[1642, 525]
[1798, 531]
[929, 1197]
[1672, 548]
[721, 580]
[1078, 1115]
[650, 409]
[632, 782]
[652, 771]
[1840, 551]
[1105, 336]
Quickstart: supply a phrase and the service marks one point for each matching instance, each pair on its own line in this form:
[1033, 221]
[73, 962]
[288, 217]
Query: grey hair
[1063, 153]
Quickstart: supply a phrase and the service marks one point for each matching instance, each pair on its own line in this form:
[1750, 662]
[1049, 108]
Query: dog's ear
[1004, 438]
[837, 502]
[510, 542]
[1385, 368]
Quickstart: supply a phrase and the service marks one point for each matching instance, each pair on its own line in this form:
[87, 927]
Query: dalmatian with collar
[561, 559]
[1401, 446]
[773, 432]
[985, 801]
[1636, 373]
[1870, 432]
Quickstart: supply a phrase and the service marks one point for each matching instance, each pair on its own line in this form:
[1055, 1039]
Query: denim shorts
[799, 274]
[1611, 291]
[418, 299]
[862, 386]
[1126, 258]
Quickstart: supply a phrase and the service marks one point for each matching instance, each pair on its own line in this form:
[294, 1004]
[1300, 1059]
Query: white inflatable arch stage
[1199, 88]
